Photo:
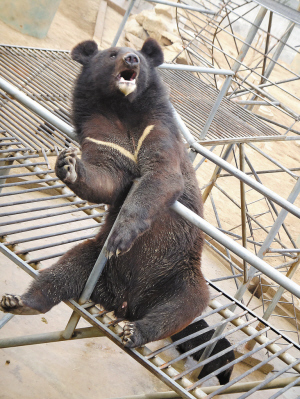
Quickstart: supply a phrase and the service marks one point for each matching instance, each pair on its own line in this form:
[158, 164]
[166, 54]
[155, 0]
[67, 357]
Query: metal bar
[193, 68]
[219, 227]
[41, 208]
[294, 176]
[216, 106]
[151, 365]
[51, 215]
[93, 278]
[122, 24]
[238, 360]
[255, 261]
[236, 388]
[281, 9]
[269, 379]
[243, 208]
[271, 204]
[254, 102]
[267, 45]
[295, 382]
[5, 319]
[43, 226]
[54, 244]
[37, 108]
[203, 316]
[234, 171]
[57, 336]
[284, 251]
[248, 372]
[185, 6]
[55, 234]
[219, 354]
[199, 347]
[274, 230]
[259, 172]
[276, 298]
[216, 173]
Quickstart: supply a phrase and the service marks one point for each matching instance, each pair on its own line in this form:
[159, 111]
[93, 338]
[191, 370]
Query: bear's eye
[113, 55]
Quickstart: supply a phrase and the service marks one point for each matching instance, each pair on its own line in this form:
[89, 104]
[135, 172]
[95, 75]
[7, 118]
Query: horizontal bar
[87, 332]
[236, 388]
[185, 6]
[192, 68]
[37, 108]
[55, 234]
[249, 102]
[237, 249]
[282, 251]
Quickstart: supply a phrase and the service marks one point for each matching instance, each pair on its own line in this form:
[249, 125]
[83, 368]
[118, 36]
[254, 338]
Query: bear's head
[119, 69]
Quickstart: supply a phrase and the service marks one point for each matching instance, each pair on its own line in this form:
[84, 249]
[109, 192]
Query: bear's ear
[84, 51]
[152, 50]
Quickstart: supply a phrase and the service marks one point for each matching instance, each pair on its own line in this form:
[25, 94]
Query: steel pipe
[237, 249]
[193, 68]
[234, 171]
[37, 108]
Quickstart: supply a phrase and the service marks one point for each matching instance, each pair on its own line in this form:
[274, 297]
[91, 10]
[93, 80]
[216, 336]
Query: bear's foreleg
[62, 281]
[97, 184]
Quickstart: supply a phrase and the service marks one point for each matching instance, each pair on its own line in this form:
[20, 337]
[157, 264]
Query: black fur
[153, 278]
[222, 344]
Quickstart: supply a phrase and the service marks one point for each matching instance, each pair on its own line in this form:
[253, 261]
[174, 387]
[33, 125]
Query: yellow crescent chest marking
[122, 150]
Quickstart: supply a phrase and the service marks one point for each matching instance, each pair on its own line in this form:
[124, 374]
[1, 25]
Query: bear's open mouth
[126, 81]
[128, 75]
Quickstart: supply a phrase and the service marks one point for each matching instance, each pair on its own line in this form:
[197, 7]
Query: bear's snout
[131, 59]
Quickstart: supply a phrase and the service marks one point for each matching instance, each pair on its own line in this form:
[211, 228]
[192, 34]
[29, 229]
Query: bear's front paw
[123, 236]
[132, 336]
[14, 304]
[65, 167]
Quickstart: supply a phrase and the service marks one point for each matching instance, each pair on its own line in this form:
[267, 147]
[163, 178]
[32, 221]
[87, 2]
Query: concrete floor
[89, 368]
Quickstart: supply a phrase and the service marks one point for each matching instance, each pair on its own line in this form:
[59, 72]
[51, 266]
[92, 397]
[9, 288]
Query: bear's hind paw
[132, 337]
[14, 304]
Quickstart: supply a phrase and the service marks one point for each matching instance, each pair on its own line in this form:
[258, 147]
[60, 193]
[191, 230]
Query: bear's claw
[14, 304]
[124, 235]
[66, 165]
[132, 337]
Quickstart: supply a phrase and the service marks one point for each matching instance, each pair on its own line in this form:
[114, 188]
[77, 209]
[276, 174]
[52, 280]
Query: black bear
[127, 132]
[223, 343]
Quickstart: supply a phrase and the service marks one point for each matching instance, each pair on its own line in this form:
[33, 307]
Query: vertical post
[217, 172]
[124, 20]
[243, 208]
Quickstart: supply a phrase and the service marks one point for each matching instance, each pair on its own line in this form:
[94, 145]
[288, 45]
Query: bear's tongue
[126, 82]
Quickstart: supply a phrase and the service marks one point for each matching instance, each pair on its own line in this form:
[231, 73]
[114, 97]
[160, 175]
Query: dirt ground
[96, 368]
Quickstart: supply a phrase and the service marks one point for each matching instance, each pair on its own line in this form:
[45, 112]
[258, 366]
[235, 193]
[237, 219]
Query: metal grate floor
[47, 76]
[33, 202]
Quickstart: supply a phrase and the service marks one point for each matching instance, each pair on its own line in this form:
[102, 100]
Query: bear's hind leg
[62, 281]
[164, 320]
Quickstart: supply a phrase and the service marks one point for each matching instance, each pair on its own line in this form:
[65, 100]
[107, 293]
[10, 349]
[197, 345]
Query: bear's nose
[131, 59]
